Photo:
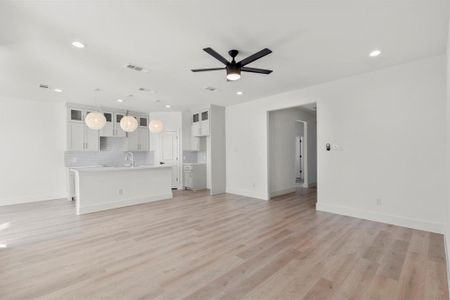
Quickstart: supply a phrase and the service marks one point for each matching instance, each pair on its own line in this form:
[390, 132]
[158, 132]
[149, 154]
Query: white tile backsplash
[112, 153]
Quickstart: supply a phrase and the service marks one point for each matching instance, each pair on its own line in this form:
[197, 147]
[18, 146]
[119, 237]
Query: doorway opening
[292, 148]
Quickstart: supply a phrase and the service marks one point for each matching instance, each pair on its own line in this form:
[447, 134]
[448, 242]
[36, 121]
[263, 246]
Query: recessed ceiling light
[120, 100]
[58, 90]
[239, 93]
[375, 53]
[78, 44]
[167, 106]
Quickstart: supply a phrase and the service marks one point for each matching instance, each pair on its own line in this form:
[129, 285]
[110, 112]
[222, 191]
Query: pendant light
[95, 120]
[156, 126]
[129, 123]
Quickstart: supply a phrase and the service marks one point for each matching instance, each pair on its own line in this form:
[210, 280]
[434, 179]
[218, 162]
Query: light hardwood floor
[223, 247]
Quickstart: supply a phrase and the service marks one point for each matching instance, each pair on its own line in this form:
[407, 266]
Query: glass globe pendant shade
[129, 124]
[156, 126]
[95, 120]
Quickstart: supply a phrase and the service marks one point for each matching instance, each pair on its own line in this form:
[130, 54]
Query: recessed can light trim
[375, 53]
[78, 44]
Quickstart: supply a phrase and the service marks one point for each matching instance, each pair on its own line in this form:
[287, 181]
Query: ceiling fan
[234, 68]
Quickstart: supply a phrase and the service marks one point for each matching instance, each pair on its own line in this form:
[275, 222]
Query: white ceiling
[313, 41]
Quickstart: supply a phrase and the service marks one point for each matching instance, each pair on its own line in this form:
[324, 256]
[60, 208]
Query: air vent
[210, 88]
[44, 86]
[136, 68]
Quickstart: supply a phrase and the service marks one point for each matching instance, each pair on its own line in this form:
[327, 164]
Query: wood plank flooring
[223, 247]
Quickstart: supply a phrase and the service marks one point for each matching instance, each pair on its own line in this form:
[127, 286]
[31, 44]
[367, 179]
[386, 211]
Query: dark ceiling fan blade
[205, 70]
[254, 57]
[256, 70]
[216, 55]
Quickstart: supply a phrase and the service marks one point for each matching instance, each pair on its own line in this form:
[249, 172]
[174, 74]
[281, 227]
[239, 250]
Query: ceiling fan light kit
[234, 68]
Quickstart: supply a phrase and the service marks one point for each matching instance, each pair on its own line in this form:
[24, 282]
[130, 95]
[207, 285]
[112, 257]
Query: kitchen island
[102, 188]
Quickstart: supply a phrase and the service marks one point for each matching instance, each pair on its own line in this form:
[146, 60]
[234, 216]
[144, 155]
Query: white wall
[390, 126]
[283, 129]
[217, 150]
[32, 151]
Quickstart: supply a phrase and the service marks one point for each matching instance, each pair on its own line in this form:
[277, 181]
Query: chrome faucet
[130, 157]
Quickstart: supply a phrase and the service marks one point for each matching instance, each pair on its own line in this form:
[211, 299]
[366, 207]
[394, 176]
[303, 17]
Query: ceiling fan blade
[205, 70]
[216, 55]
[256, 70]
[254, 57]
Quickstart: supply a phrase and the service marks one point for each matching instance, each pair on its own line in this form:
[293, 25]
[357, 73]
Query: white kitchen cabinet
[82, 138]
[75, 139]
[200, 123]
[144, 139]
[139, 140]
[195, 143]
[204, 123]
[118, 131]
[108, 130]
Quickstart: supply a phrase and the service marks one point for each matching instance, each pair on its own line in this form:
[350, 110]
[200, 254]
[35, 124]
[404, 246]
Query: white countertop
[107, 169]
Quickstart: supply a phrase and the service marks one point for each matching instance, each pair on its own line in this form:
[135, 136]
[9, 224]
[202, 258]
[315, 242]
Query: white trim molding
[283, 192]
[31, 199]
[247, 193]
[381, 217]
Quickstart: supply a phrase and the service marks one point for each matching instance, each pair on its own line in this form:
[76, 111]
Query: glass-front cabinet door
[76, 115]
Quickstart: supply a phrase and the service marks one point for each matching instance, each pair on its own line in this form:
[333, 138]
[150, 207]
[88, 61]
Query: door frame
[305, 152]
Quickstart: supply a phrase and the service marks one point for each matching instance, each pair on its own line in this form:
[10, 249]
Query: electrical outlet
[379, 202]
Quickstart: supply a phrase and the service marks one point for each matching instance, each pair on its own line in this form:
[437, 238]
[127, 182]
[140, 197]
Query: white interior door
[169, 154]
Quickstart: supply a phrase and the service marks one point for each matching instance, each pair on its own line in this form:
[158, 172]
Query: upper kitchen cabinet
[79, 136]
[204, 123]
[108, 130]
[112, 127]
[118, 131]
[200, 123]
[139, 140]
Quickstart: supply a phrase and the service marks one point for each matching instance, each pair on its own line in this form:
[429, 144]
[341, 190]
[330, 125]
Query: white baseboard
[122, 203]
[283, 192]
[311, 185]
[31, 199]
[246, 193]
[382, 217]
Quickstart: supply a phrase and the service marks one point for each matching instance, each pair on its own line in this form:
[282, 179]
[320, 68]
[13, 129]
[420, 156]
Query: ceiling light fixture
[239, 93]
[375, 53]
[233, 73]
[58, 90]
[120, 100]
[95, 120]
[129, 123]
[78, 44]
[167, 106]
